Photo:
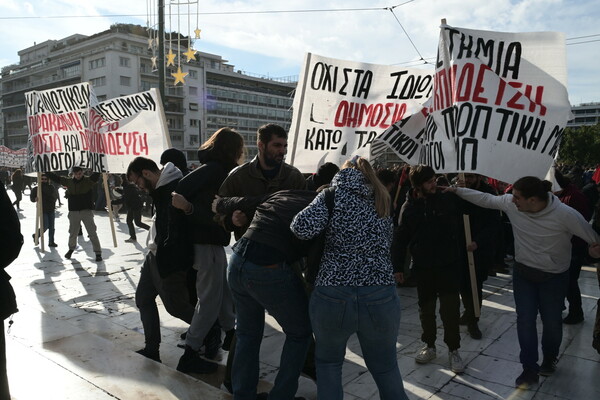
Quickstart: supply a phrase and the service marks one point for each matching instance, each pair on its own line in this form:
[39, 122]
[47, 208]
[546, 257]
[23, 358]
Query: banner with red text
[12, 158]
[499, 106]
[68, 127]
[340, 107]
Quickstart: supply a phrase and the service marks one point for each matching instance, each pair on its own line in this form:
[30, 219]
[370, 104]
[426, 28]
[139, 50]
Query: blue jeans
[48, 222]
[278, 290]
[373, 313]
[547, 298]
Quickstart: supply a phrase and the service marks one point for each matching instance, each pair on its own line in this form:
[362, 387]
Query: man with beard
[267, 173]
[164, 272]
[80, 190]
[429, 227]
[485, 224]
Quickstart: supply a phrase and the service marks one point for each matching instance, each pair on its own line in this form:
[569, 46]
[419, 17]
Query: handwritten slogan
[12, 158]
[68, 128]
[499, 106]
[340, 107]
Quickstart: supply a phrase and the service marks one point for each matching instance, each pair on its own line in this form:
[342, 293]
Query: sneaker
[596, 343]
[190, 362]
[228, 339]
[98, 257]
[457, 365]
[474, 331]
[69, 254]
[573, 318]
[151, 354]
[52, 244]
[527, 379]
[425, 355]
[131, 240]
[212, 342]
[548, 366]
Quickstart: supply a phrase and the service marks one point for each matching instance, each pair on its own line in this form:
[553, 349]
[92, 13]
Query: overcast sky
[274, 43]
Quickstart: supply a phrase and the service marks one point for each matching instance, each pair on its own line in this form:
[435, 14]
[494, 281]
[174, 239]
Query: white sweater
[542, 239]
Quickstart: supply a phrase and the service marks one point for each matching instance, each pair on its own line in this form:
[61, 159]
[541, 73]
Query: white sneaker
[425, 355]
[457, 365]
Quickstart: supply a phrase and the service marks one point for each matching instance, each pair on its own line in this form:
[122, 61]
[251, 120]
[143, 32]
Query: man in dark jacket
[48, 201]
[261, 278]
[429, 227]
[133, 202]
[164, 272]
[485, 225]
[10, 246]
[80, 190]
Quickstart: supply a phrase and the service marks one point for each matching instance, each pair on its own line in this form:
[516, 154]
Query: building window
[194, 106]
[193, 123]
[125, 62]
[193, 73]
[193, 91]
[125, 81]
[98, 63]
[98, 82]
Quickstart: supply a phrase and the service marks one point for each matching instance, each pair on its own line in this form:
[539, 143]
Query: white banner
[68, 128]
[499, 106]
[340, 107]
[12, 158]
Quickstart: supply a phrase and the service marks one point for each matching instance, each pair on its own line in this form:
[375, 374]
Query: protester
[323, 176]
[485, 226]
[165, 279]
[355, 291]
[430, 228]
[48, 210]
[10, 246]
[132, 200]
[80, 190]
[543, 227]
[574, 198]
[177, 157]
[194, 195]
[265, 174]
[17, 187]
[262, 276]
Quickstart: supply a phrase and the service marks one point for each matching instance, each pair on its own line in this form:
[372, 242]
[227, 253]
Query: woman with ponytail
[355, 291]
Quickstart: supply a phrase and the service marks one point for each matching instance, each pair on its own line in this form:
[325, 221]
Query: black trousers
[135, 215]
[465, 289]
[439, 283]
[4, 392]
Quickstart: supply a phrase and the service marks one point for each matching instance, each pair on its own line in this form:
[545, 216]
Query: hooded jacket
[357, 240]
[430, 227]
[542, 239]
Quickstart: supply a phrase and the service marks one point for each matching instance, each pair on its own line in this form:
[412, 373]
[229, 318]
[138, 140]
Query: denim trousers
[547, 298]
[278, 290]
[373, 313]
[48, 221]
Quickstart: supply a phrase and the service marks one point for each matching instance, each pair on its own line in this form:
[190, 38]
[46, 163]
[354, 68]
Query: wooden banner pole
[109, 207]
[471, 259]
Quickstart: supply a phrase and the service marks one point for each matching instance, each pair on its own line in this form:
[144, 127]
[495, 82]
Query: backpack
[317, 247]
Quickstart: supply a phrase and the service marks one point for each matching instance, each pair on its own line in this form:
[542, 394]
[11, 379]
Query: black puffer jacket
[48, 197]
[200, 187]
[430, 228]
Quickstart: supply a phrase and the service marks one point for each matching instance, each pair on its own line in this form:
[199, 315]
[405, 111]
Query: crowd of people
[324, 255]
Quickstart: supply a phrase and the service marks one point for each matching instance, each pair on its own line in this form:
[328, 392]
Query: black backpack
[317, 247]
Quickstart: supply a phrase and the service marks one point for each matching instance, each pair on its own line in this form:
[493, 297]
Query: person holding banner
[355, 290]
[430, 227]
[485, 225]
[81, 203]
[543, 227]
[48, 210]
